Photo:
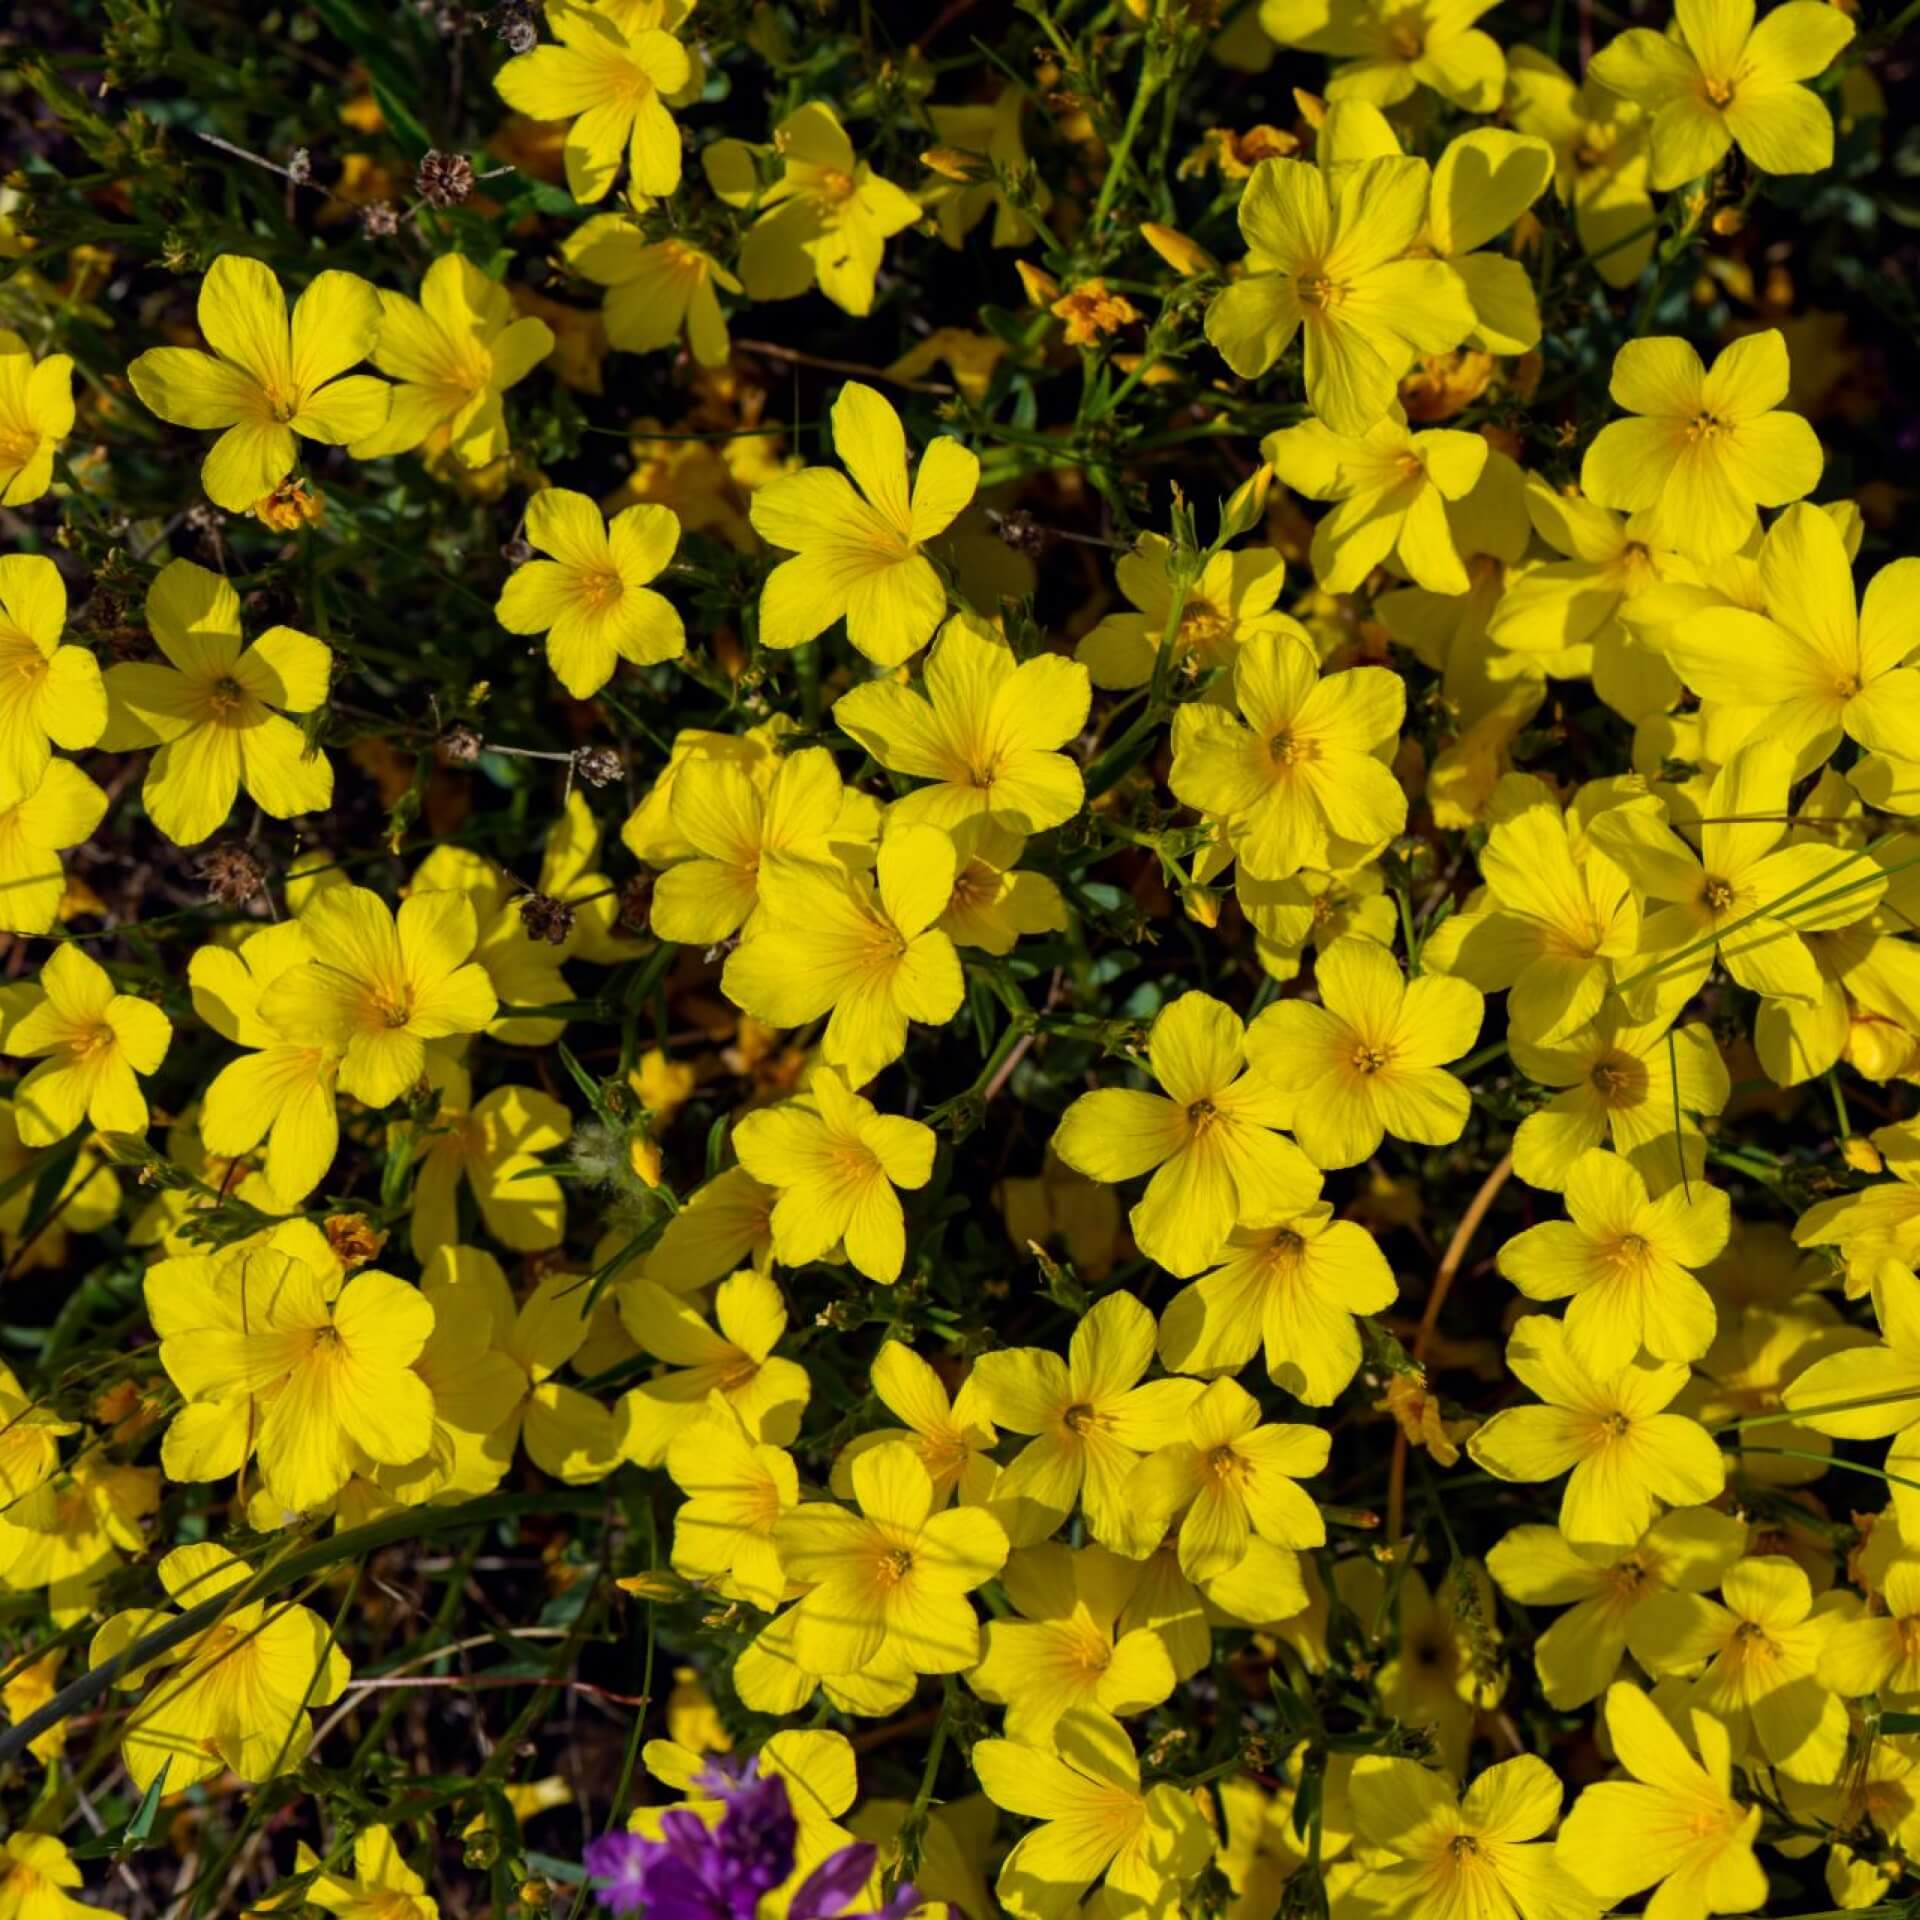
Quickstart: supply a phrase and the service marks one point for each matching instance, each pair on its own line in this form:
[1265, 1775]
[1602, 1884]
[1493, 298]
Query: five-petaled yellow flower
[268, 380]
[1709, 446]
[93, 1044]
[612, 84]
[452, 353]
[1209, 1138]
[861, 554]
[1720, 81]
[217, 709]
[592, 598]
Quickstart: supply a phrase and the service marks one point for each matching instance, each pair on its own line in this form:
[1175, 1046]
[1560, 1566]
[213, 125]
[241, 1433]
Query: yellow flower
[50, 695]
[826, 219]
[988, 731]
[35, 1871]
[333, 1378]
[1393, 488]
[1717, 81]
[1599, 142]
[1209, 1139]
[1233, 598]
[1673, 1823]
[1624, 1450]
[1746, 896]
[861, 948]
[1880, 1652]
[382, 1887]
[1481, 1852]
[591, 599]
[283, 1091]
[1604, 1589]
[1368, 1061]
[494, 1144]
[1098, 1823]
[1066, 1648]
[1592, 598]
[91, 1042]
[861, 554]
[36, 415]
[1558, 921]
[834, 1163]
[453, 353]
[239, 1691]
[1813, 668]
[893, 1579]
[380, 988]
[1709, 446]
[567, 1433]
[737, 1489]
[1292, 1288]
[1235, 1479]
[989, 133]
[1393, 47]
[73, 1531]
[1622, 1079]
[954, 1437]
[738, 824]
[1336, 259]
[217, 709]
[60, 810]
[1622, 1263]
[656, 290]
[265, 382]
[1091, 1420]
[765, 1392]
[1305, 781]
[607, 77]
[1762, 1651]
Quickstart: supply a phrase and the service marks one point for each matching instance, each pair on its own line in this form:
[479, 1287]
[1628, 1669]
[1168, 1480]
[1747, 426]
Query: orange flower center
[1318, 292]
[600, 590]
[1080, 1418]
[18, 445]
[225, 695]
[895, 1566]
[1716, 895]
[1367, 1059]
[97, 1037]
[1706, 426]
[1289, 750]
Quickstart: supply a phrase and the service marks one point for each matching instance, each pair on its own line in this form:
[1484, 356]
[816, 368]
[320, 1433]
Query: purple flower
[824, 1893]
[616, 1863]
[697, 1872]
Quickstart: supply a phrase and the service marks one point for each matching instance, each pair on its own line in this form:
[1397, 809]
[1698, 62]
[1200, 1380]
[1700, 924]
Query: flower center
[1201, 1115]
[1706, 426]
[1462, 1845]
[89, 1040]
[1289, 750]
[1368, 1059]
[1315, 290]
[1719, 92]
[1610, 1077]
[1080, 1418]
[1716, 895]
[895, 1566]
[835, 185]
[600, 590]
[225, 695]
[18, 445]
[1203, 627]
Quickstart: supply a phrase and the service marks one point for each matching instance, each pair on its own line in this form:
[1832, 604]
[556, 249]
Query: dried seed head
[546, 918]
[598, 766]
[300, 166]
[513, 25]
[444, 179]
[230, 873]
[460, 746]
[381, 221]
[1023, 533]
[517, 551]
